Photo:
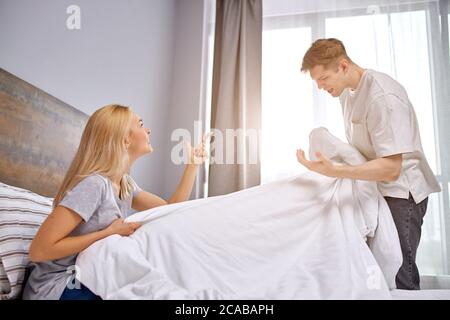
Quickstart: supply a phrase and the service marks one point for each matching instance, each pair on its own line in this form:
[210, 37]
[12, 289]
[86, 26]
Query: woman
[95, 196]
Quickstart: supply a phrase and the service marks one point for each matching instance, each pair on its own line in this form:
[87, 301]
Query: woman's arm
[52, 241]
[145, 200]
[196, 156]
[184, 188]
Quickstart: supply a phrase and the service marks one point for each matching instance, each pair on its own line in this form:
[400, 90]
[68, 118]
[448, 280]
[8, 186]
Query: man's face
[330, 79]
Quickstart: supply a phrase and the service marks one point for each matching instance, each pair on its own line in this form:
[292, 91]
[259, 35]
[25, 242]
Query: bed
[39, 136]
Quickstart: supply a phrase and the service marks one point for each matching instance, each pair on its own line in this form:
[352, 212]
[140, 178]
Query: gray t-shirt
[94, 199]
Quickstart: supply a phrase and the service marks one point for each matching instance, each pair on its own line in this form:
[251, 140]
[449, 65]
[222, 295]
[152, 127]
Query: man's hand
[322, 166]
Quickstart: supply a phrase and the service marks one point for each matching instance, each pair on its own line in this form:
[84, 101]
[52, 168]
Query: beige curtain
[236, 93]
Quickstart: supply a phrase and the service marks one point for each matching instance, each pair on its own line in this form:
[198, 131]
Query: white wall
[186, 85]
[122, 54]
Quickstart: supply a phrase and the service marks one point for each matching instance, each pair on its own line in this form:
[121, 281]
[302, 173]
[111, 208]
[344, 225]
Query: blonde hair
[325, 52]
[102, 150]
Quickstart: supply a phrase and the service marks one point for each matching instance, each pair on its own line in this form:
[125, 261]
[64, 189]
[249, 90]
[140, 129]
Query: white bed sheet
[438, 294]
[293, 239]
[306, 237]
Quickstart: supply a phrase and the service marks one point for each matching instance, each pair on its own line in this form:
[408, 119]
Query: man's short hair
[325, 52]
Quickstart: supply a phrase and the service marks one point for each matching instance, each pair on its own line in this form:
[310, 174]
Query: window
[287, 113]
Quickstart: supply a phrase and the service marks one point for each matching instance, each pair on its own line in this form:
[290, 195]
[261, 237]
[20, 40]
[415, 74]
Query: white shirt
[380, 121]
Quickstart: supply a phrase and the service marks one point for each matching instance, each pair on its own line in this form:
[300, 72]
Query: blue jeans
[408, 218]
[78, 294]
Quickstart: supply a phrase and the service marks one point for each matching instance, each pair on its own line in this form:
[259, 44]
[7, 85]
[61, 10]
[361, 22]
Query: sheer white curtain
[404, 39]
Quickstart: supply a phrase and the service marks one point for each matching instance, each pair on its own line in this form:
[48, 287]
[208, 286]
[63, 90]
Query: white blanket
[298, 238]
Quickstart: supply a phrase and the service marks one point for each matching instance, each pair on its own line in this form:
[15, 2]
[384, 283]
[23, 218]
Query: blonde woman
[94, 198]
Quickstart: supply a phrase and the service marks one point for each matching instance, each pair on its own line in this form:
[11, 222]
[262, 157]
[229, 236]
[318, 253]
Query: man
[381, 123]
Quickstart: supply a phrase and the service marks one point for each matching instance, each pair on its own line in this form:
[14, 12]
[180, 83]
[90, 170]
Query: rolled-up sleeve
[136, 188]
[389, 126]
[86, 197]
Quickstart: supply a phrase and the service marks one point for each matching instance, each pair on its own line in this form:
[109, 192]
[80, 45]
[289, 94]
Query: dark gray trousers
[408, 218]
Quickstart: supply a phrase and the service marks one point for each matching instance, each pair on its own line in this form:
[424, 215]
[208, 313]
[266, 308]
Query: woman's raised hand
[199, 154]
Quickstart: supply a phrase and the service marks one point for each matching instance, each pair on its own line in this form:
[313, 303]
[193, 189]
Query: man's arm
[382, 169]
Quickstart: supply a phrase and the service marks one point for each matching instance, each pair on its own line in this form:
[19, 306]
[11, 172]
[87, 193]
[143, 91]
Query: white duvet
[306, 237]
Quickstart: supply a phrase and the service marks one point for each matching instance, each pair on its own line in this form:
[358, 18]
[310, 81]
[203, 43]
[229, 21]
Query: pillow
[4, 282]
[21, 214]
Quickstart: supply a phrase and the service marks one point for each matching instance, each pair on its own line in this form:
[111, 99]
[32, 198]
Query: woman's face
[139, 139]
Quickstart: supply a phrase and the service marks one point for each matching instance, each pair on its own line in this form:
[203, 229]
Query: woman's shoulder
[94, 182]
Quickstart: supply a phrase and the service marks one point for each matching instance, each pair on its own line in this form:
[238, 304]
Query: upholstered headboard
[39, 136]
